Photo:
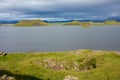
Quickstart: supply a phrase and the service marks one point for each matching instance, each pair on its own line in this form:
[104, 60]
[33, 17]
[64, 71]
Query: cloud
[68, 9]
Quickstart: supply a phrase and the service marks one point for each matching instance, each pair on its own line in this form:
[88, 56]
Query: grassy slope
[107, 22]
[84, 24]
[31, 23]
[24, 67]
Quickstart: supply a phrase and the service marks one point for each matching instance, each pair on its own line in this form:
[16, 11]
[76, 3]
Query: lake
[59, 38]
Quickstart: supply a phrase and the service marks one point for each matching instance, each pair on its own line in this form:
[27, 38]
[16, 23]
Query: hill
[90, 23]
[111, 22]
[8, 21]
[77, 23]
[31, 23]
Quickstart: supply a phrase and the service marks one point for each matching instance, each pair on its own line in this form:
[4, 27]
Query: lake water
[59, 38]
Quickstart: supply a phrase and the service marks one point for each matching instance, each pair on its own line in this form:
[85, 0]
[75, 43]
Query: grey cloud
[59, 8]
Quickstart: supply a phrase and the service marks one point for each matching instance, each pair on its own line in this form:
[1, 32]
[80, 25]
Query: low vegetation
[111, 22]
[70, 65]
[88, 24]
[31, 23]
[84, 24]
[77, 23]
[73, 23]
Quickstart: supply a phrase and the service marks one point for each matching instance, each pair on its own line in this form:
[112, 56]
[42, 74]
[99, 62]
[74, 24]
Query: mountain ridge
[86, 20]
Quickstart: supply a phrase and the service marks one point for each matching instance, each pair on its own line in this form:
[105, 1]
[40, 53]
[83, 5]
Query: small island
[31, 23]
[74, 23]
[90, 23]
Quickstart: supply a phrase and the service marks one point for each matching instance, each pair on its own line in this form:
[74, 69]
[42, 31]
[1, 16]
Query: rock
[57, 64]
[68, 77]
[2, 53]
[10, 78]
[5, 77]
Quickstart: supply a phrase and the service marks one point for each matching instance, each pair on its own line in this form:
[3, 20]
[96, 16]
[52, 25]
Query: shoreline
[27, 52]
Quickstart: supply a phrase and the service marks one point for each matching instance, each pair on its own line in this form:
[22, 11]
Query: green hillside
[73, 23]
[31, 23]
[107, 22]
[111, 22]
[79, 64]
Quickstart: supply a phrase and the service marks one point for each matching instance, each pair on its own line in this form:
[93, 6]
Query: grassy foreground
[83, 64]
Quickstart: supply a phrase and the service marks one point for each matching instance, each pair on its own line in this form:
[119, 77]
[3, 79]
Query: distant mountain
[58, 21]
[76, 20]
[88, 20]
[114, 18]
[8, 21]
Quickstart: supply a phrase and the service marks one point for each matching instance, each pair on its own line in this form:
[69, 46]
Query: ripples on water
[59, 38]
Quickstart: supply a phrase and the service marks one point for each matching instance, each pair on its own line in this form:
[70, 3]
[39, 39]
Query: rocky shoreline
[2, 53]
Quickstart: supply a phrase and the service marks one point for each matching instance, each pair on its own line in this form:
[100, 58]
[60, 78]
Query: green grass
[89, 24]
[79, 63]
[111, 22]
[31, 23]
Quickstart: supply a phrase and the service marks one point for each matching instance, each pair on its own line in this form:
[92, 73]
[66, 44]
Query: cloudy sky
[59, 9]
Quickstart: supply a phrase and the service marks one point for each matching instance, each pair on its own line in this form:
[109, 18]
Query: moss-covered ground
[83, 64]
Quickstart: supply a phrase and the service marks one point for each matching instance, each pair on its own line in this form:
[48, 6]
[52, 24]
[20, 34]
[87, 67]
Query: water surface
[59, 38]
